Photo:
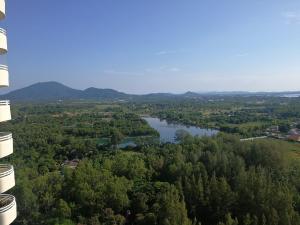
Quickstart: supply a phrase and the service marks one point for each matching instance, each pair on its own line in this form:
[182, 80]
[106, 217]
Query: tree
[230, 221]
[181, 135]
[63, 210]
[171, 209]
[284, 128]
[116, 137]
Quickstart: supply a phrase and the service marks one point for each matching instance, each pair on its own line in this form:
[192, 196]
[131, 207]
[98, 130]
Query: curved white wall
[3, 41]
[8, 206]
[6, 144]
[5, 114]
[7, 178]
[2, 9]
[4, 76]
[8, 213]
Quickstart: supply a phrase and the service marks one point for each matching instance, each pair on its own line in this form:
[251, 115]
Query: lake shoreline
[168, 130]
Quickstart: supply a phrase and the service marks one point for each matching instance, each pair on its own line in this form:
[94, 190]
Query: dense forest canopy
[208, 181]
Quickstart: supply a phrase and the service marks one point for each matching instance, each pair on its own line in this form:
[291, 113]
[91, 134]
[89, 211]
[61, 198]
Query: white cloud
[172, 52]
[166, 52]
[174, 69]
[291, 17]
[162, 69]
[158, 70]
[125, 73]
[244, 54]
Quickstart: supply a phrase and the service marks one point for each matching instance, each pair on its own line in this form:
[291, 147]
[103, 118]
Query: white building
[8, 206]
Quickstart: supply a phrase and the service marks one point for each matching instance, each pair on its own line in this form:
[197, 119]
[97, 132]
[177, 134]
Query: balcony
[4, 76]
[7, 178]
[2, 9]
[6, 144]
[8, 209]
[3, 41]
[5, 114]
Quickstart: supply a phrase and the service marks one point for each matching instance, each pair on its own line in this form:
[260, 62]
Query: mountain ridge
[52, 90]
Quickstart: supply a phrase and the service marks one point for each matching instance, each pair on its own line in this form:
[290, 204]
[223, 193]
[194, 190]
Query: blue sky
[141, 46]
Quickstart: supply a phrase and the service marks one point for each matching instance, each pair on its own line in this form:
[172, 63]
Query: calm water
[167, 130]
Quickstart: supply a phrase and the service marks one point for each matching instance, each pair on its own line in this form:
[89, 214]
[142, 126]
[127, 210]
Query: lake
[167, 130]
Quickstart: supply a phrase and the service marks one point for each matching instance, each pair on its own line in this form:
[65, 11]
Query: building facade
[8, 206]
[294, 137]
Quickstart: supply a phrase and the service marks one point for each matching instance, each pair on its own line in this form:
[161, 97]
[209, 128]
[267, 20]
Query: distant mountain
[43, 91]
[96, 93]
[190, 94]
[248, 94]
[48, 91]
[52, 91]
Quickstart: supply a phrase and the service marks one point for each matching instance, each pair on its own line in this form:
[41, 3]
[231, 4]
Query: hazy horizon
[141, 46]
[166, 92]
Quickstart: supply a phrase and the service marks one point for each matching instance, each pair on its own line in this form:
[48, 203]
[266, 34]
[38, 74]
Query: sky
[143, 46]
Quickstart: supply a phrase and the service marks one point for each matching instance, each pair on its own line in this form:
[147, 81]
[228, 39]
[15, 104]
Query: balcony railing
[4, 76]
[3, 41]
[8, 209]
[2, 9]
[5, 114]
[6, 144]
[7, 178]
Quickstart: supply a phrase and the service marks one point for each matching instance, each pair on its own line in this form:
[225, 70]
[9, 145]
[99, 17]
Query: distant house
[294, 131]
[71, 164]
[294, 137]
[274, 129]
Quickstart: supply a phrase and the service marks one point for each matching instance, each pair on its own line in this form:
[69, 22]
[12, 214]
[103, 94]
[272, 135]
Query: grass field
[292, 148]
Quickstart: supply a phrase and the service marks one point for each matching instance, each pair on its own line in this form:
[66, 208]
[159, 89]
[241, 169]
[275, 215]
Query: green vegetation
[292, 149]
[207, 181]
[247, 116]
